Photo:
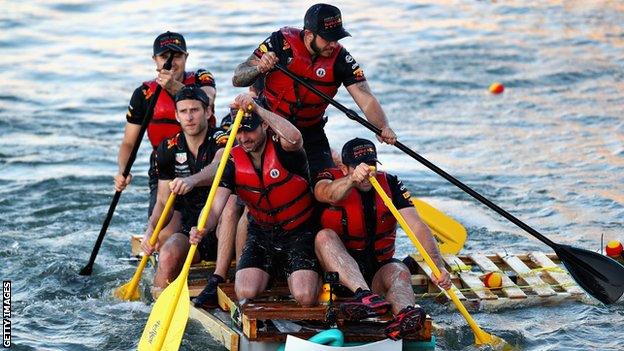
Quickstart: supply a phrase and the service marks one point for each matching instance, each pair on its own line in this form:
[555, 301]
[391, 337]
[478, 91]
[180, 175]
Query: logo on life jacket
[320, 72]
[274, 173]
[180, 157]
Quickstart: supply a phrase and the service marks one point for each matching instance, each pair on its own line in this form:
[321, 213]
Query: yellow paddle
[166, 324]
[130, 291]
[451, 235]
[481, 337]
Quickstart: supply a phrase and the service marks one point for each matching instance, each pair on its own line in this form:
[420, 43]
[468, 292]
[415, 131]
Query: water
[550, 149]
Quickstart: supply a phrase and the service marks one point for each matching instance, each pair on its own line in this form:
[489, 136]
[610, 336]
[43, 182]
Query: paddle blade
[600, 276]
[123, 292]
[160, 312]
[86, 270]
[450, 234]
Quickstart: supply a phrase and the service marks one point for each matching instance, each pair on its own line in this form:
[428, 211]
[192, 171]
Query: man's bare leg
[394, 281]
[241, 234]
[304, 286]
[250, 282]
[171, 259]
[334, 257]
[226, 233]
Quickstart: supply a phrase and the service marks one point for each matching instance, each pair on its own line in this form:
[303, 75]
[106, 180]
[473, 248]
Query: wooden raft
[277, 304]
[528, 279]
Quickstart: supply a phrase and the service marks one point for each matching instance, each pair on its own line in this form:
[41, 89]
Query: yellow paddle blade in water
[451, 235]
[161, 312]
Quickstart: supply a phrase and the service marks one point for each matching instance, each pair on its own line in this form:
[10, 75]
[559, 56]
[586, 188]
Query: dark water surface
[550, 149]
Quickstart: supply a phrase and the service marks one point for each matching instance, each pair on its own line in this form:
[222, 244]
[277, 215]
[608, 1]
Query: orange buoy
[497, 88]
[614, 248]
[493, 280]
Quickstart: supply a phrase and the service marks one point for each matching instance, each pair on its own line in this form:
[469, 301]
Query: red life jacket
[291, 100]
[346, 218]
[163, 124]
[275, 197]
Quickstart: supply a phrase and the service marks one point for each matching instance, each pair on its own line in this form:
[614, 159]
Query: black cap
[169, 41]
[250, 122]
[358, 150]
[193, 92]
[326, 21]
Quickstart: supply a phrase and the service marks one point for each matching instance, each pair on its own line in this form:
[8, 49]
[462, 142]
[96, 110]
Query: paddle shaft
[480, 335]
[134, 282]
[354, 116]
[86, 270]
[200, 226]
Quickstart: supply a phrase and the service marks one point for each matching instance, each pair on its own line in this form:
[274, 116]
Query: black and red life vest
[275, 197]
[346, 218]
[291, 100]
[163, 124]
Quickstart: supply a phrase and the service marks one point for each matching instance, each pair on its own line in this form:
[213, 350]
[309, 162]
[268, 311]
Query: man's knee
[325, 237]
[246, 291]
[172, 252]
[305, 295]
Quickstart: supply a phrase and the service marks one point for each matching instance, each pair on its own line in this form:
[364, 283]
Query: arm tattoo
[245, 73]
[363, 87]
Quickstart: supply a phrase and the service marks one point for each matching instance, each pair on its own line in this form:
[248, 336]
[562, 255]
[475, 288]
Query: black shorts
[368, 264]
[207, 248]
[280, 253]
[317, 150]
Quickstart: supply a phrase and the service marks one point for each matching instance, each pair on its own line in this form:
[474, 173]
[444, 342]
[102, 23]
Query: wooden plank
[561, 277]
[455, 263]
[510, 289]
[250, 327]
[471, 279]
[429, 273]
[216, 328]
[135, 245]
[525, 273]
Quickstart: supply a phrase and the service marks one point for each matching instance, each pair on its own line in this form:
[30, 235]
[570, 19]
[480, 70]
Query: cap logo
[320, 72]
[332, 22]
[167, 41]
[274, 173]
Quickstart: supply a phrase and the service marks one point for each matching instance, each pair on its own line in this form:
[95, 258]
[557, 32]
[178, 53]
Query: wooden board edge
[216, 328]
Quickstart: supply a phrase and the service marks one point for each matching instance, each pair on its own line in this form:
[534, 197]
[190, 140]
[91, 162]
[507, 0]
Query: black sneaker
[409, 321]
[366, 305]
[208, 297]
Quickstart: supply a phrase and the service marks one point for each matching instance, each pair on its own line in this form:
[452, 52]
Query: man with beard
[314, 55]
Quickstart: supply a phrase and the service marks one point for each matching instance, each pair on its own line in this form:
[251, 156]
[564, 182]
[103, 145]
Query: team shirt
[140, 98]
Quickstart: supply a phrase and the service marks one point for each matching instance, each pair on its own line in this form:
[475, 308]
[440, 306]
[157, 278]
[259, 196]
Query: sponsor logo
[349, 58]
[285, 45]
[148, 93]
[172, 142]
[205, 77]
[263, 48]
[274, 173]
[332, 22]
[358, 73]
[180, 157]
[355, 65]
[320, 72]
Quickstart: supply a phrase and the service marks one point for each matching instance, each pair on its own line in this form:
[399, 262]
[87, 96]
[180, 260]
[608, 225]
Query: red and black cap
[358, 150]
[326, 21]
[169, 41]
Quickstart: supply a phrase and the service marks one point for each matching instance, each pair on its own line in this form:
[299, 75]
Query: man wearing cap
[163, 123]
[187, 153]
[314, 55]
[358, 239]
[269, 172]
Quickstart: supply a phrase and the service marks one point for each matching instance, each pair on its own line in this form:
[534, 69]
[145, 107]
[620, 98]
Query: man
[315, 55]
[269, 172]
[163, 123]
[185, 154]
[358, 241]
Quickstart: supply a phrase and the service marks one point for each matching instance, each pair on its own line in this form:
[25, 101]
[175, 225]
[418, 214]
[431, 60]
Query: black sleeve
[294, 161]
[137, 106]
[276, 43]
[326, 174]
[401, 197]
[165, 161]
[227, 179]
[204, 78]
[347, 71]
